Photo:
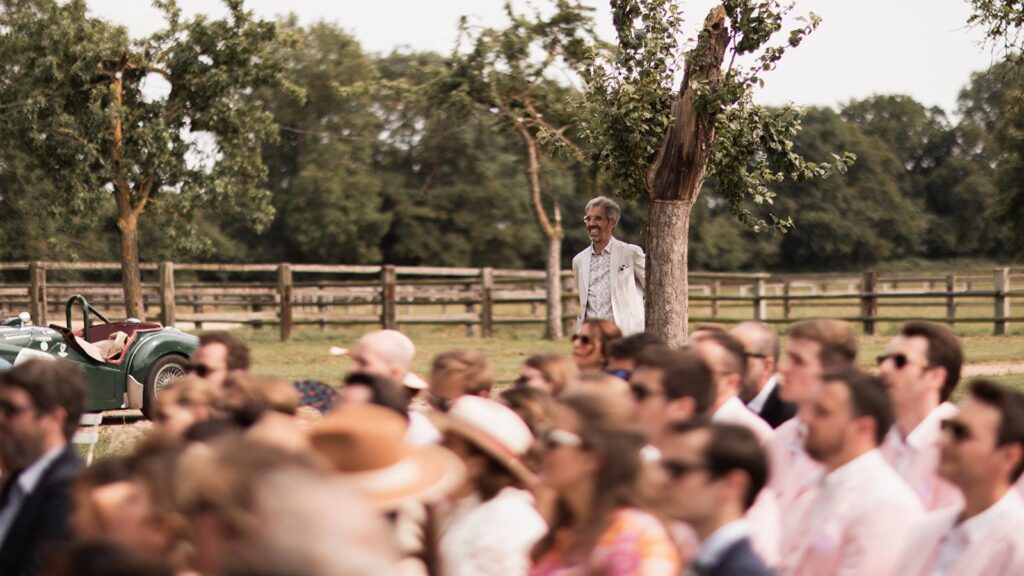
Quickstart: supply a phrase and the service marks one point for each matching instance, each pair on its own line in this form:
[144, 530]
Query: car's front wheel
[164, 371]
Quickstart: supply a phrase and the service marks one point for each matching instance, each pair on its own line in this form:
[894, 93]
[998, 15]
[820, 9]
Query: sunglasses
[439, 404]
[900, 361]
[677, 469]
[558, 438]
[585, 340]
[641, 393]
[959, 430]
[10, 409]
[201, 370]
[755, 355]
[624, 374]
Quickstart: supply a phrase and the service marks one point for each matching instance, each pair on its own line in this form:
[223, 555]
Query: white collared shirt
[966, 533]
[831, 486]
[900, 451]
[599, 285]
[715, 546]
[757, 404]
[24, 486]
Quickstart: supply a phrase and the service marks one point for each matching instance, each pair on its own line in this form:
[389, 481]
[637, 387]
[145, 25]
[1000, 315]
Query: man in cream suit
[609, 274]
[982, 455]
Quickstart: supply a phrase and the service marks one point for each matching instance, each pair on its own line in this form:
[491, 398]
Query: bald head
[757, 338]
[384, 353]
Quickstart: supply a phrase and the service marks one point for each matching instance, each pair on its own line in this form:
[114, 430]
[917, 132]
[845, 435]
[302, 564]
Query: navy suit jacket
[42, 520]
[738, 560]
[776, 410]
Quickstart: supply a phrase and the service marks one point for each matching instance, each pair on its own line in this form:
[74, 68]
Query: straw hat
[364, 443]
[493, 428]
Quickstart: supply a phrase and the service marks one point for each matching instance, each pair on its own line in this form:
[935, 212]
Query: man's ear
[937, 377]
[681, 409]
[1012, 455]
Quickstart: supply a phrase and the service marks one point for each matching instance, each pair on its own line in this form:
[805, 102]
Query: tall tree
[90, 111]
[507, 73]
[652, 139]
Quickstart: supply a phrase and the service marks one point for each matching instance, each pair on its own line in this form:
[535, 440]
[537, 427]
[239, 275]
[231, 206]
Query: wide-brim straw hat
[494, 429]
[365, 445]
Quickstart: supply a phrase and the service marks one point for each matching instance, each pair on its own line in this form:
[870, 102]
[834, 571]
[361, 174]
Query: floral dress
[634, 544]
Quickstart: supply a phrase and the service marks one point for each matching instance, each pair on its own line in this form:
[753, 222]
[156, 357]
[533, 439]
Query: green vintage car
[126, 364]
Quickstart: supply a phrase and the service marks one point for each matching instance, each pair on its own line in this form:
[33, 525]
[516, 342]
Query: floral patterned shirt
[634, 544]
[599, 285]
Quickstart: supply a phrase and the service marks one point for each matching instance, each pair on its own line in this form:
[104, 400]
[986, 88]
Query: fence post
[284, 291]
[388, 290]
[760, 304]
[716, 289]
[785, 300]
[869, 301]
[951, 299]
[168, 313]
[570, 307]
[1000, 286]
[487, 302]
[37, 294]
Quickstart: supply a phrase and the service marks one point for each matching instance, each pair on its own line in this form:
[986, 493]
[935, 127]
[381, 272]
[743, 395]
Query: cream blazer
[628, 270]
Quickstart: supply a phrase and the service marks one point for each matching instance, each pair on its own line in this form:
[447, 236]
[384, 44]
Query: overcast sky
[918, 47]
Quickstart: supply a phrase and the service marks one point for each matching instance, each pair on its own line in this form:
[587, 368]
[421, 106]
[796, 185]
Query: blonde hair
[470, 368]
[189, 390]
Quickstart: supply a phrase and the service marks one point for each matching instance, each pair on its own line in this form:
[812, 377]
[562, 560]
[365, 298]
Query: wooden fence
[288, 295]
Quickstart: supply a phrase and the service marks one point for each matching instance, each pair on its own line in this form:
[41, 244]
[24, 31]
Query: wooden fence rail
[390, 296]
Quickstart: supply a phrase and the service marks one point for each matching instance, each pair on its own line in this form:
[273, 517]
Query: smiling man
[609, 274]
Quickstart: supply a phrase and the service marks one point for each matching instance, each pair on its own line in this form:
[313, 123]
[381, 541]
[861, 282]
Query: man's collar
[607, 247]
[757, 404]
[29, 478]
[720, 541]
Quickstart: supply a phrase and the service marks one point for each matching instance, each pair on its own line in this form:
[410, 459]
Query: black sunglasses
[585, 340]
[11, 409]
[677, 469]
[898, 360]
[755, 355]
[201, 370]
[641, 393]
[959, 430]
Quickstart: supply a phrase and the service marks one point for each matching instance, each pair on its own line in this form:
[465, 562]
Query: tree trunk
[131, 277]
[553, 285]
[674, 181]
[667, 302]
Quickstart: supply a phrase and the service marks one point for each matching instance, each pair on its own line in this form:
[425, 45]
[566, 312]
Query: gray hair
[611, 208]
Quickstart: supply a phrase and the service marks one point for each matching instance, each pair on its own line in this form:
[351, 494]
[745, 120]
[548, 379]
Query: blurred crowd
[622, 457]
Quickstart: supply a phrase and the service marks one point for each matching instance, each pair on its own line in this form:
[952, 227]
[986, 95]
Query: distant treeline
[363, 173]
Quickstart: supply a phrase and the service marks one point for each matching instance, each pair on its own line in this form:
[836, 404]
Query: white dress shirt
[964, 534]
[757, 404]
[715, 546]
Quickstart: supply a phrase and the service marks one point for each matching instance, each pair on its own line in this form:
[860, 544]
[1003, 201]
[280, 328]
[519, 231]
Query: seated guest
[492, 524]
[762, 391]
[670, 386]
[859, 518]
[41, 402]
[590, 345]
[184, 402]
[815, 346]
[220, 354]
[548, 372]
[458, 373]
[624, 352]
[982, 455]
[724, 355]
[921, 367]
[714, 474]
[592, 462]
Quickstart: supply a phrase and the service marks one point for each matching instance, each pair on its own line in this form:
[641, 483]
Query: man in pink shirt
[921, 367]
[858, 520]
[814, 347]
[982, 454]
[725, 356]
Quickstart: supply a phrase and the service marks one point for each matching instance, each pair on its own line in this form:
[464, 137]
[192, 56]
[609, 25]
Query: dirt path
[993, 369]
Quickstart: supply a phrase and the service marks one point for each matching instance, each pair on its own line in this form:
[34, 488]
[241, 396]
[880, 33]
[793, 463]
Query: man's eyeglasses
[594, 219]
[10, 409]
[558, 438]
[959, 430]
[755, 355]
[677, 469]
[900, 361]
[585, 340]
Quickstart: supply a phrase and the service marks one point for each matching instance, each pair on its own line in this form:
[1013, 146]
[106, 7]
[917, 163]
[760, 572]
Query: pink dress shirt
[987, 544]
[735, 412]
[791, 471]
[856, 522]
[916, 459]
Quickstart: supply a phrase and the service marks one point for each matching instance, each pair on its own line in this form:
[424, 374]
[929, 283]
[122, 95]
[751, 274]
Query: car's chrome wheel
[165, 375]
